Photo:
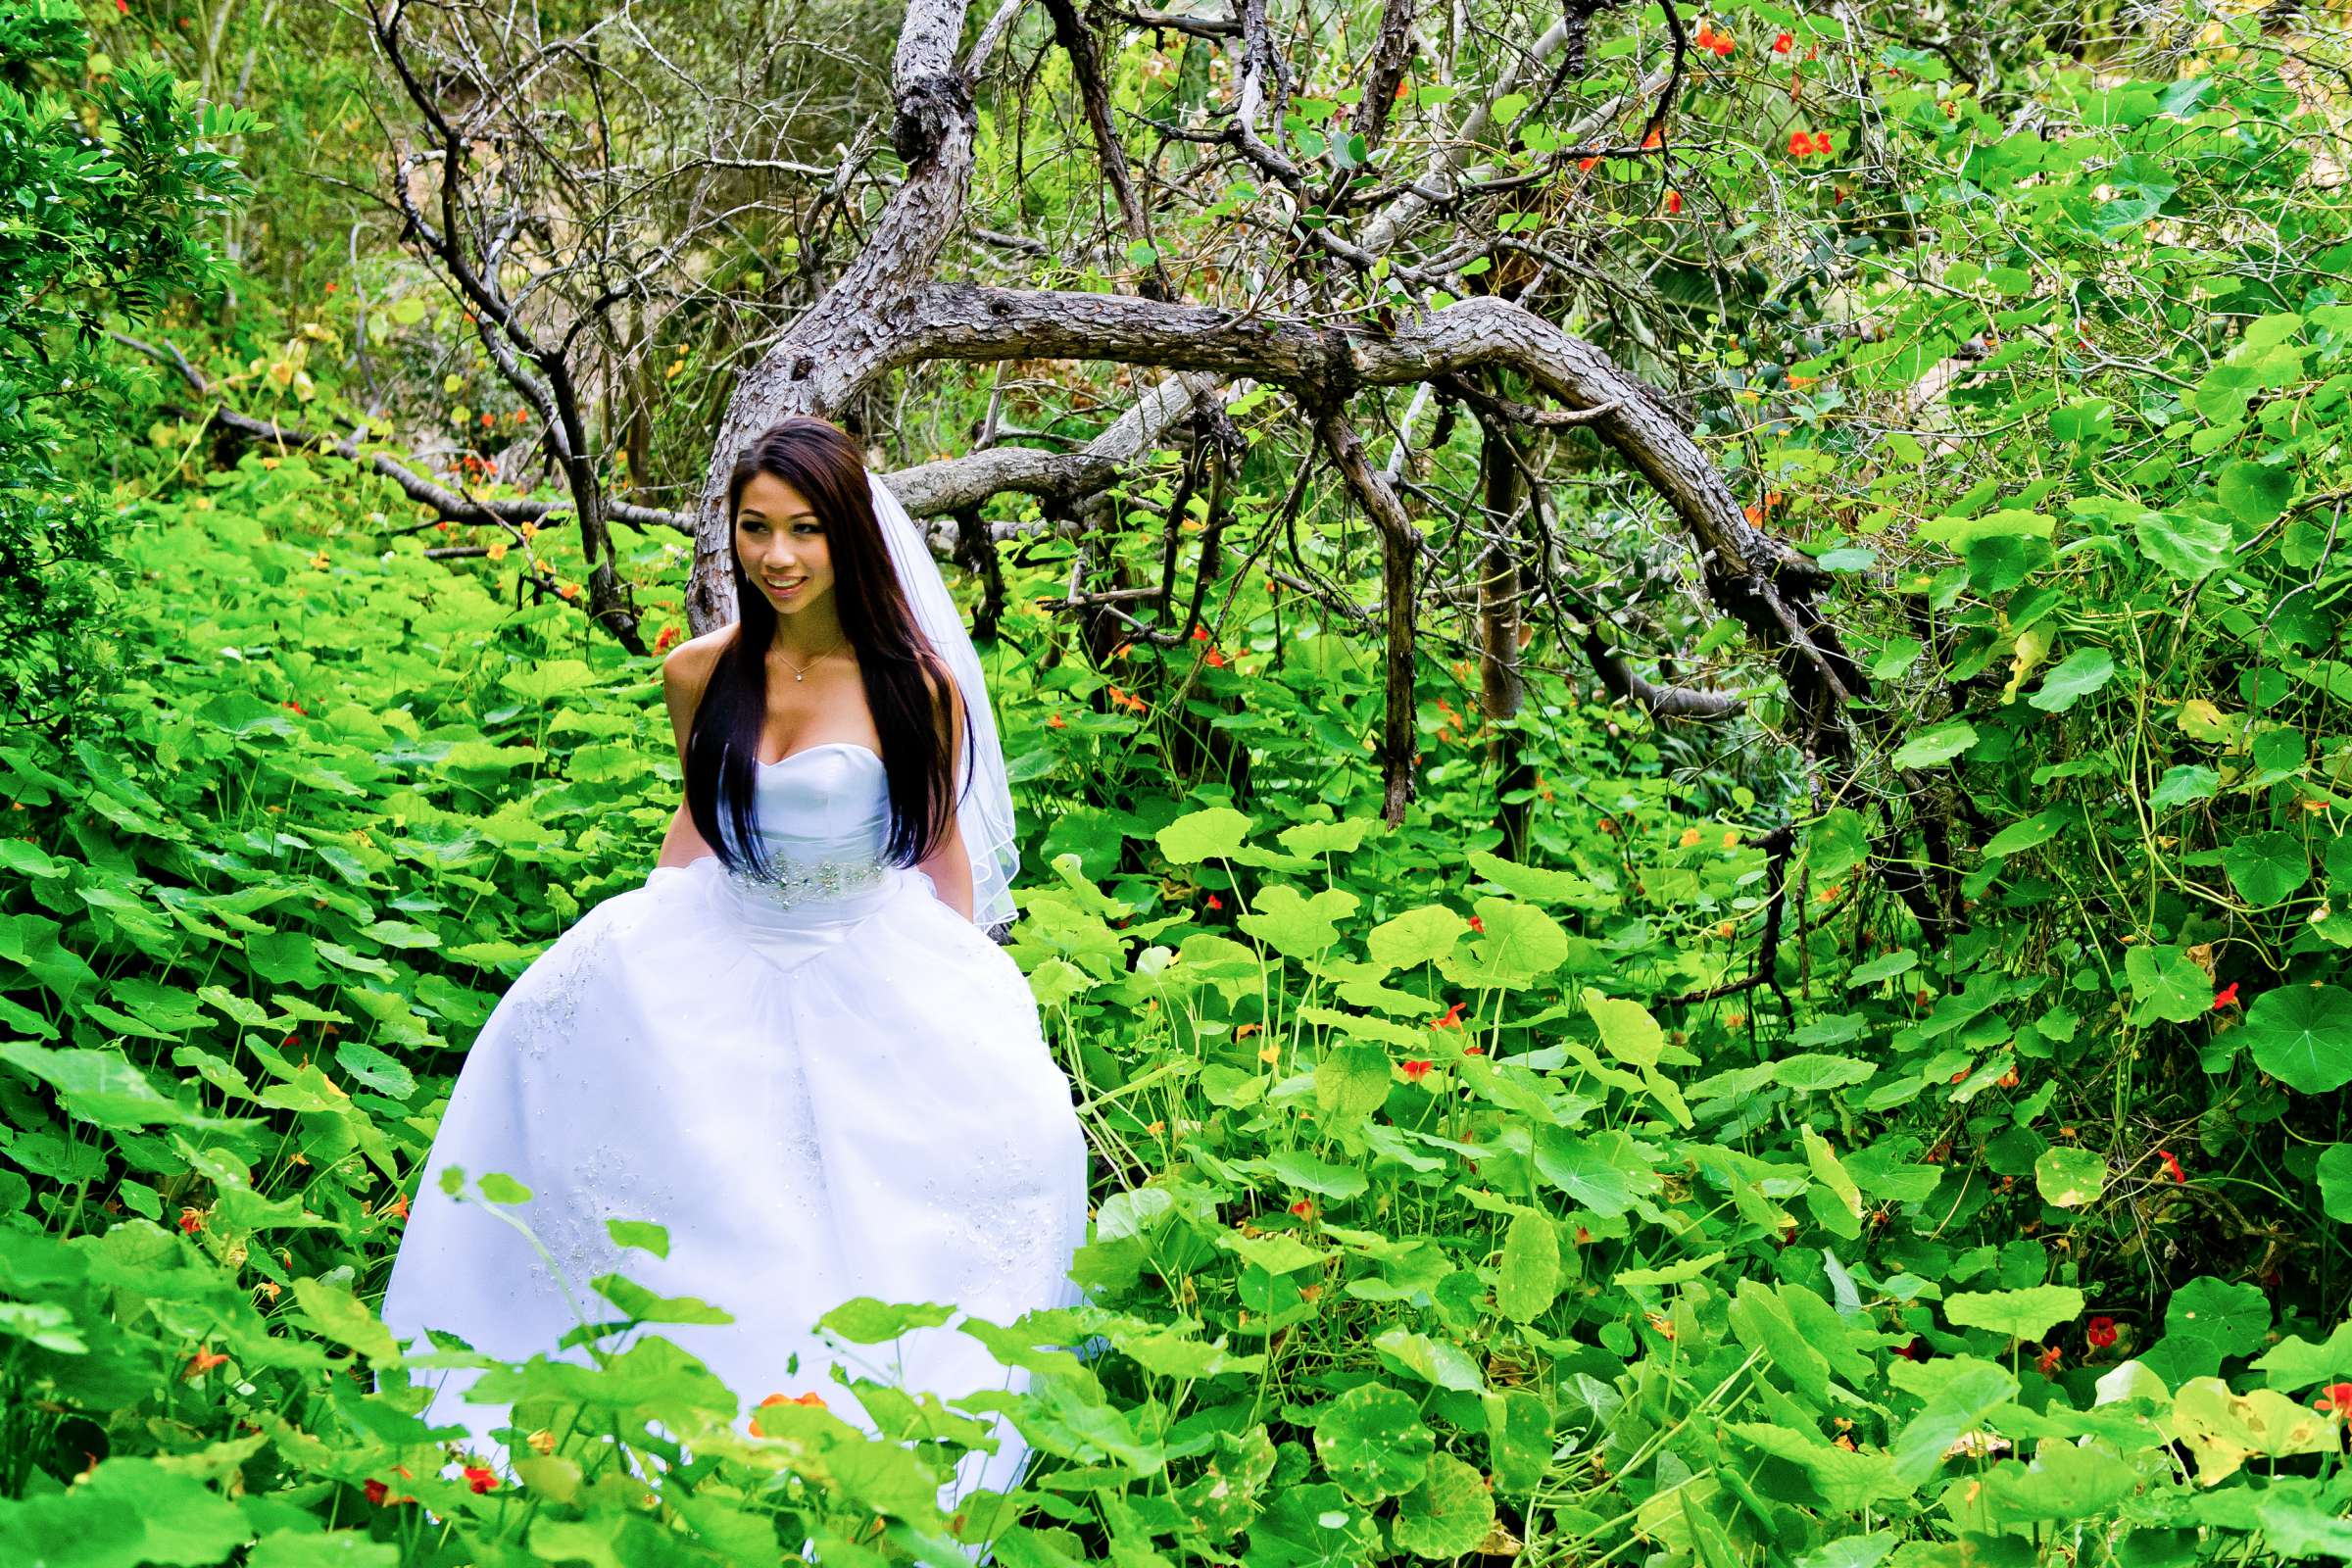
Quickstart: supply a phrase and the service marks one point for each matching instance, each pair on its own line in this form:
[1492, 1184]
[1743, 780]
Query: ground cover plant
[1730, 1108]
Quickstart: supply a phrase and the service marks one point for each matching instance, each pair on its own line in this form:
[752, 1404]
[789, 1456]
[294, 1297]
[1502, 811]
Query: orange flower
[1057, 722]
[481, 1479]
[1305, 1208]
[1213, 660]
[1655, 139]
[1474, 1050]
[1199, 634]
[1451, 1020]
[1478, 925]
[667, 640]
[2334, 1399]
[1415, 1071]
[1215, 902]
[2048, 1361]
[398, 1209]
[496, 550]
[202, 1361]
[1800, 143]
[191, 1220]
[1785, 42]
[1673, 203]
[1584, 165]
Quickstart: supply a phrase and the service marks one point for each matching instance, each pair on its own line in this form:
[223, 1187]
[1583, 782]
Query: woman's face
[782, 545]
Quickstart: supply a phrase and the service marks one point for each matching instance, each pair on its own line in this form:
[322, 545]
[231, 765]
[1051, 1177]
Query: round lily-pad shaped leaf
[2335, 1182]
[1203, 835]
[2070, 1177]
[1449, 1513]
[2266, 868]
[2302, 1036]
[2026, 1314]
[1373, 1441]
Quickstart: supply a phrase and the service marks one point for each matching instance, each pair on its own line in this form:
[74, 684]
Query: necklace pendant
[797, 676]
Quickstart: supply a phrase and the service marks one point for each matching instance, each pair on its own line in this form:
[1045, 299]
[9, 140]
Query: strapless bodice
[829, 802]
[823, 815]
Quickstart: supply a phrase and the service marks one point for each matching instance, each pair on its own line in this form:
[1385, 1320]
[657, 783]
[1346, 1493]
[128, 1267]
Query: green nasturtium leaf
[2026, 1314]
[2183, 785]
[865, 1320]
[2266, 868]
[1626, 1030]
[2335, 1182]
[1937, 745]
[2075, 677]
[1373, 1441]
[2070, 1177]
[1213, 834]
[2255, 493]
[2190, 548]
[1415, 937]
[1447, 1514]
[2302, 1036]
[1528, 1278]
[2168, 984]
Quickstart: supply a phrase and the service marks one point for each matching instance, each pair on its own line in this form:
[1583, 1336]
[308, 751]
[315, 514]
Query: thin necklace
[801, 672]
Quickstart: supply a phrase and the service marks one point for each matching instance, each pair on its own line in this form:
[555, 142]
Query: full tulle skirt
[842, 1098]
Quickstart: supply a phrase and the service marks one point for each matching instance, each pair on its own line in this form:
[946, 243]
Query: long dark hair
[722, 749]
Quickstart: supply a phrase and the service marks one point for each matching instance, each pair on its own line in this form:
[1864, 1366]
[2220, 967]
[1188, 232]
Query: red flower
[1800, 143]
[2226, 997]
[1785, 42]
[299, 708]
[377, 1491]
[1474, 1050]
[1215, 902]
[483, 1479]
[1451, 1020]
[2171, 1166]
[1673, 203]
[1916, 1351]
[1305, 1208]
[1821, 143]
[1478, 925]
[191, 1220]
[331, 288]
[1724, 46]
[1584, 165]
[1057, 722]
[2334, 1399]
[667, 640]
[2099, 1332]
[2048, 1361]
[1199, 634]
[1415, 1071]
[1213, 660]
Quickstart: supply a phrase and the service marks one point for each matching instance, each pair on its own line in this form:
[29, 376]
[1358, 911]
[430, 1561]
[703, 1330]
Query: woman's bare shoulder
[687, 668]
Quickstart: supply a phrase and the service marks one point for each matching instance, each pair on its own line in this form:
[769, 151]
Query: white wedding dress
[826, 1085]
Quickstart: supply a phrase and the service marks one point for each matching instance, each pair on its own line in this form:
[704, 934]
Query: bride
[796, 1047]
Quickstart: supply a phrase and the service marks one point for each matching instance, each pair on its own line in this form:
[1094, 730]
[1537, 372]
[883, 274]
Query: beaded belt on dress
[789, 882]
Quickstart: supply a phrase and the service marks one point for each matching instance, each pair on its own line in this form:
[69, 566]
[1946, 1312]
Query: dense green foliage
[1932, 1154]
[110, 184]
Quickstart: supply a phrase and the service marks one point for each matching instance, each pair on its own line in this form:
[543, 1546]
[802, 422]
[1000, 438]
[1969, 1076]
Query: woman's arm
[950, 866]
[684, 674]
